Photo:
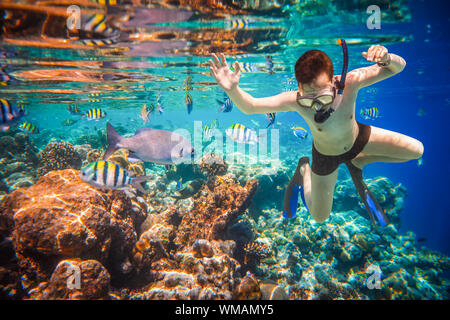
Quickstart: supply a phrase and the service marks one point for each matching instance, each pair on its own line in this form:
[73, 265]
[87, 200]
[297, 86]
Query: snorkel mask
[325, 101]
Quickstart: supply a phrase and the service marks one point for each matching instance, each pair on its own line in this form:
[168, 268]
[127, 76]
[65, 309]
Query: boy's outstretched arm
[364, 77]
[229, 81]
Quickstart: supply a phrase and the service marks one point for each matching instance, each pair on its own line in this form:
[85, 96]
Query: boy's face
[310, 89]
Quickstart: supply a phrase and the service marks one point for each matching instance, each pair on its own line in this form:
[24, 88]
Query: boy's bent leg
[319, 191]
[392, 144]
[362, 159]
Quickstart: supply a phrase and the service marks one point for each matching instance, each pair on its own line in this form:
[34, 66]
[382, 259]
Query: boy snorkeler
[327, 103]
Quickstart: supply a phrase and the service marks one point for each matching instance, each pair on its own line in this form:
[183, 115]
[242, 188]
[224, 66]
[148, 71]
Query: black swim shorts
[324, 165]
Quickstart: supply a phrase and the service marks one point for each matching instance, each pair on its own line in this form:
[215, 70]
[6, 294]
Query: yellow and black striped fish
[239, 23]
[97, 23]
[188, 83]
[98, 42]
[95, 114]
[74, 109]
[370, 113]
[240, 133]
[107, 2]
[28, 128]
[108, 175]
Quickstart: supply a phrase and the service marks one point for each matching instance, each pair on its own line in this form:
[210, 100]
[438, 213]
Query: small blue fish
[227, 105]
[300, 132]
[188, 102]
[419, 162]
[179, 184]
[421, 112]
[271, 118]
[370, 113]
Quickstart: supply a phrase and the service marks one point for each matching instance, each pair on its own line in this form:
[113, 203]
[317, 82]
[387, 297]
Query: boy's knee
[419, 150]
[320, 216]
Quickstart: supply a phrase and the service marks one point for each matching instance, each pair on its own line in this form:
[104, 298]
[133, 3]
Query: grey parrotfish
[151, 145]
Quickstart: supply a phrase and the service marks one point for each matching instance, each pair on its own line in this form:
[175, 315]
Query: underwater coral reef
[217, 235]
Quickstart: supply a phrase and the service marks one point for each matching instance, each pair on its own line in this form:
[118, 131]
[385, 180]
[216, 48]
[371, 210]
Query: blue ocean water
[48, 77]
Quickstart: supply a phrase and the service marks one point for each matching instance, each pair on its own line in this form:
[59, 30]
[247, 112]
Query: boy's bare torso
[336, 135]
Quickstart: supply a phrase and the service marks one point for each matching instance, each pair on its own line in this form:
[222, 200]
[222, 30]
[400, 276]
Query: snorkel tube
[323, 115]
[343, 44]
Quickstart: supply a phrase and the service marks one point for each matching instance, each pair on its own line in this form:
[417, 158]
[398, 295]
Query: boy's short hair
[311, 64]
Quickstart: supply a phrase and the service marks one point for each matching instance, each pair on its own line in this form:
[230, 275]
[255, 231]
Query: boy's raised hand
[220, 70]
[376, 53]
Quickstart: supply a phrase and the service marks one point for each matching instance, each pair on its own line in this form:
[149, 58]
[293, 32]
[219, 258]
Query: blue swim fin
[295, 187]
[374, 210]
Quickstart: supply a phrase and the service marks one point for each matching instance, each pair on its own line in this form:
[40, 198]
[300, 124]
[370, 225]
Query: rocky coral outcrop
[62, 217]
[75, 279]
[215, 210]
[213, 165]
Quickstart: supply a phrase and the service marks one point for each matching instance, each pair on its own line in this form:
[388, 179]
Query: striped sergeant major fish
[370, 113]
[97, 23]
[188, 83]
[95, 114]
[108, 175]
[108, 2]
[241, 134]
[145, 112]
[239, 23]
[290, 84]
[9, 114]
[246, 67]
[207, 133]
[98, 42]
[28, 128]
[74, 109]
